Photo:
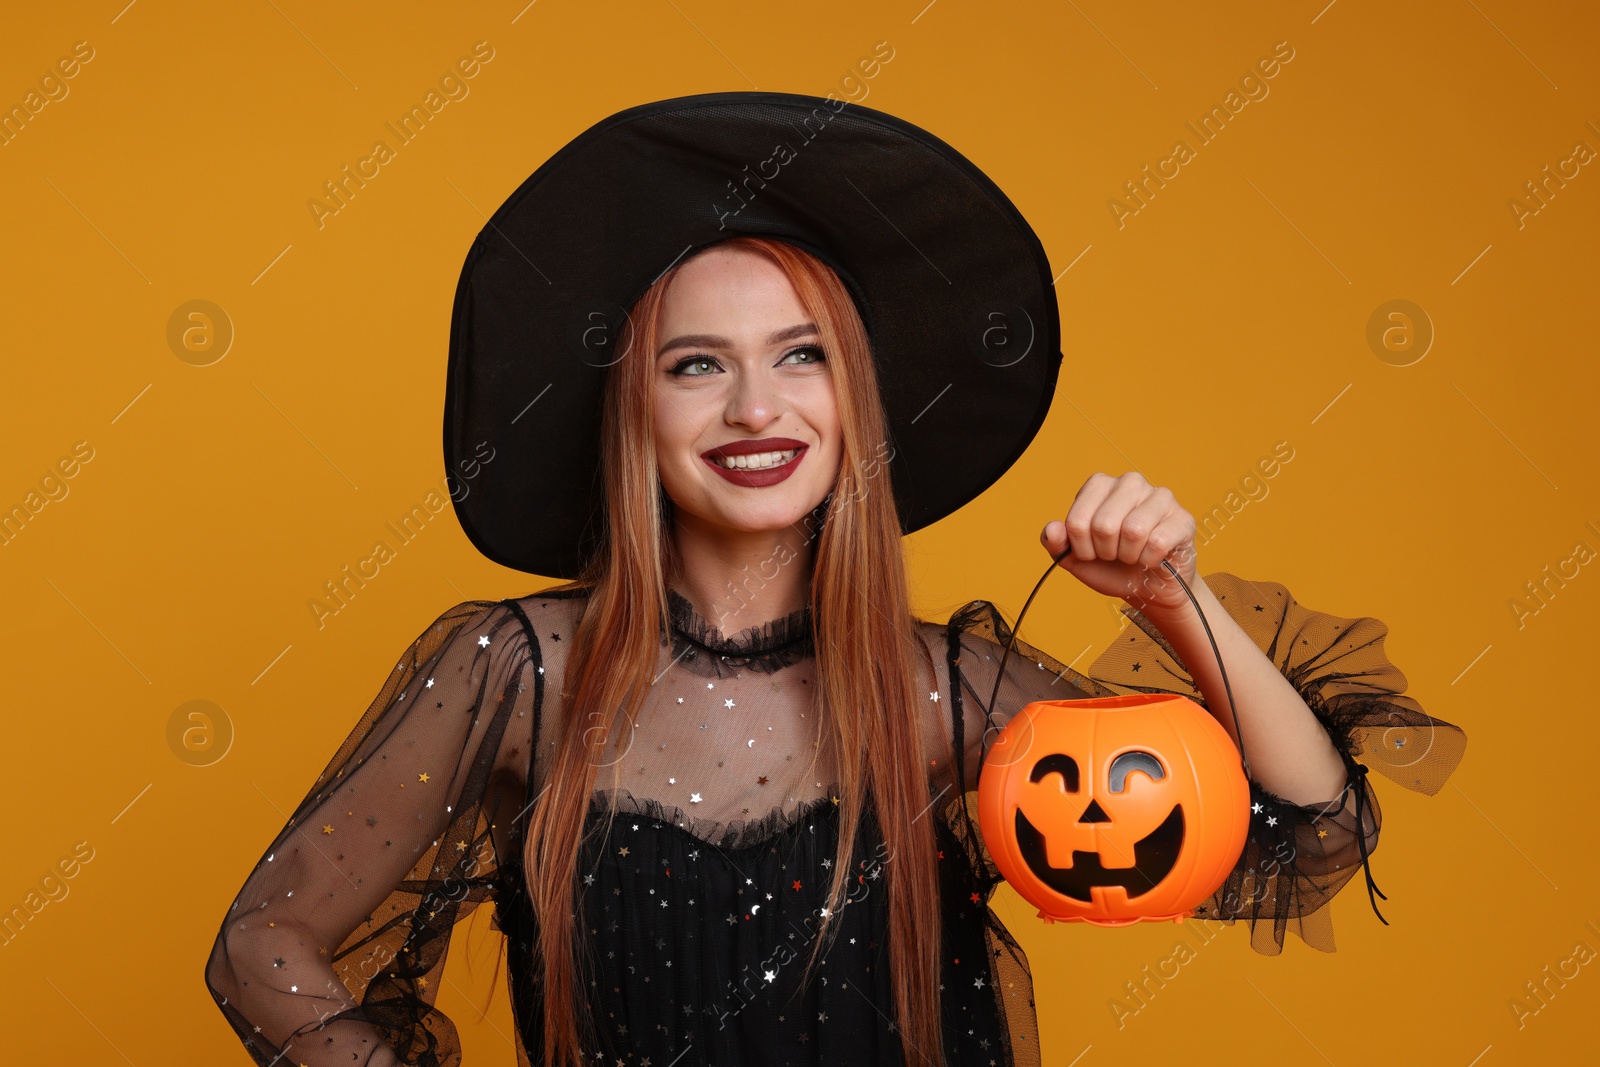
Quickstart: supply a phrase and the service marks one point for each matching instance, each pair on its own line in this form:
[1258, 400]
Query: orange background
[1230, 313]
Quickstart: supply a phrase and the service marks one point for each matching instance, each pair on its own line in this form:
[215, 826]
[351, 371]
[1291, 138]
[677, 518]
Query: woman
[717, 786]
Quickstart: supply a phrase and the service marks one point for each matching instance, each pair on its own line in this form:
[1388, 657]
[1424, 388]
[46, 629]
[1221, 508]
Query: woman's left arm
[1121, 529]
[1288, 750]
[1313, 691]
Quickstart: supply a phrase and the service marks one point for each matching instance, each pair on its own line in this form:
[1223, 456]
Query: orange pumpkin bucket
[1114, 810]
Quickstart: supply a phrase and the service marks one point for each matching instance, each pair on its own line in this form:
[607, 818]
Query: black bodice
[697, 949]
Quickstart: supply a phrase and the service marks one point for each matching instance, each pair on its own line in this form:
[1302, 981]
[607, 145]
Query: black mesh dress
[700, 898]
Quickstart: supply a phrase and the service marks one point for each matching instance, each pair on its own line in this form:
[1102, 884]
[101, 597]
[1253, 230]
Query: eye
[1129, 762]
[680, 369]
[813, 351]
[1057, 763]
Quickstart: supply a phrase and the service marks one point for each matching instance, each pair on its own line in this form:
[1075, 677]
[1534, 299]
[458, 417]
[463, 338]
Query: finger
[1160, 544]
[1105, 526]
[1054, 537]
[1093, 493]
[1140, 523]
[1172, 540]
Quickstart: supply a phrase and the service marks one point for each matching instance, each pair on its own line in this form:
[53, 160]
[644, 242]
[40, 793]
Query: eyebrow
[709, 340]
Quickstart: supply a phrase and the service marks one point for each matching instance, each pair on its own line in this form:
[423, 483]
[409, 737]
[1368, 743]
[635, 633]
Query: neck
[736, 579]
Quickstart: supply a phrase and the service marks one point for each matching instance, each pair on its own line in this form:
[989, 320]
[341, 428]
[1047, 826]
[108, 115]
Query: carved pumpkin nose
[1094, 813]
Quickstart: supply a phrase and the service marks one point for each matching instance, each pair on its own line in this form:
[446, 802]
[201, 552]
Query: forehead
[730, 284]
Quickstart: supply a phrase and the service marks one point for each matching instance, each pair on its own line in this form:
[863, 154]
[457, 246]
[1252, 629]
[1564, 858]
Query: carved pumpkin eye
[1127, 763]
[1057, 763]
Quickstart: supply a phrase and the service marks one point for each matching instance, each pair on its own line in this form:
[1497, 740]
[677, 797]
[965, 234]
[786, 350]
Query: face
[739, 372]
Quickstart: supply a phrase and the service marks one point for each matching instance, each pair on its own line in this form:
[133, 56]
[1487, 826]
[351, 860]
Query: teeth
[758, 460]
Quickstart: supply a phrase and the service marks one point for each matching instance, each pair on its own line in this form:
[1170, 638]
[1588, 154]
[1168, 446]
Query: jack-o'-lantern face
[1153, 854]
[1113, 810]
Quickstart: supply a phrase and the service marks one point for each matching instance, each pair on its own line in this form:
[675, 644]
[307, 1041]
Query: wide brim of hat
[953, 285]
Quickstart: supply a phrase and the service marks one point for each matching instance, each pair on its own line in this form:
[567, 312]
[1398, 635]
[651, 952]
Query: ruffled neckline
[731, 836]
[766, 647]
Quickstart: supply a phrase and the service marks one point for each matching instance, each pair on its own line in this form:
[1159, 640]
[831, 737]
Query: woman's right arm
[334, 949]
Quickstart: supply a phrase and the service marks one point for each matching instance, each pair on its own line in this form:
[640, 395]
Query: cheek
[671, 426]
[820, 408]
[680, 432]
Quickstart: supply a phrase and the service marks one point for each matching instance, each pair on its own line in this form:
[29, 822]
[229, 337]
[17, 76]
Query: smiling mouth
[757, 470]
[755, 461]
[1155, 855]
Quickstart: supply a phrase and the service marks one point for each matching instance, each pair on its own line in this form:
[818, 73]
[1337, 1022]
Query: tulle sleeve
[334, 949]
[1297, 857]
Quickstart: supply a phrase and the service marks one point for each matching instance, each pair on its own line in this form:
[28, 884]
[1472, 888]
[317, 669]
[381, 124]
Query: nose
[1094, 813]
[753, 402]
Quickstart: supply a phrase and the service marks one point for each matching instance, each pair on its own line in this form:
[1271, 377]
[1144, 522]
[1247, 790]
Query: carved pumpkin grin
[1155, 855]
[1114, 810]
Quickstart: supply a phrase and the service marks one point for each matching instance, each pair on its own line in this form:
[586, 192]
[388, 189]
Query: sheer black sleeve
[1297, 857]
[334, 949]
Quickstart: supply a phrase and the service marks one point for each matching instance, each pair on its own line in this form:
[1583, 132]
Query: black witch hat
[951, 282]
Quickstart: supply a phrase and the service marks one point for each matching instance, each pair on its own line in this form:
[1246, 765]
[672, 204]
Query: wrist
[1181, 613]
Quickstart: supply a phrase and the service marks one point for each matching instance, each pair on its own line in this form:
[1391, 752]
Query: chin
[733, 507]
[751, 520]
[769, 515]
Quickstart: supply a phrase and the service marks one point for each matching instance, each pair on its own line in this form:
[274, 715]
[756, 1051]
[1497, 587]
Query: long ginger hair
[865, 642]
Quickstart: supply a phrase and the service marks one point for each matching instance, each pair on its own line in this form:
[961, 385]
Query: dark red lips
[755, 479]
[759, 444]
